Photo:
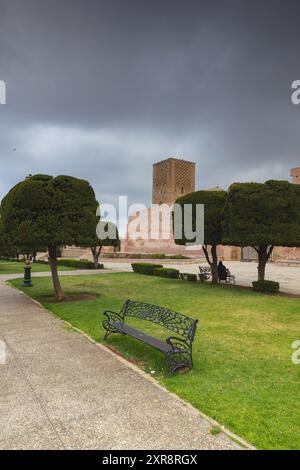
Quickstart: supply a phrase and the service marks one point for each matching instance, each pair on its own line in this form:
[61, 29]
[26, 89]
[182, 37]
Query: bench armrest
[178, 343]
[113, 315]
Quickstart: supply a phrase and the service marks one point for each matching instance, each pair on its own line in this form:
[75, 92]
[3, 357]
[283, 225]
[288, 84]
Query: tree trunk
[214, 266]
[55, 279]
[264, 252]
[213, 263]
[96, 253]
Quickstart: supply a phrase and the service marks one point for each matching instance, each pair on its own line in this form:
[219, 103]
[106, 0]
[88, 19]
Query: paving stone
[42, 439]
[20, 414]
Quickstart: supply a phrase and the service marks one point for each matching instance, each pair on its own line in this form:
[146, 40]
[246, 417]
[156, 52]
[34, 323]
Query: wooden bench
[177, 349]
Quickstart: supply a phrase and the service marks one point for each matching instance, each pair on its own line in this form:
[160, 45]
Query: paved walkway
[245, 273]
[75, 272]
[287, 276]
[59, 390]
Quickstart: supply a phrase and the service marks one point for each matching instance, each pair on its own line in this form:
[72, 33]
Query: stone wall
[284, 254]
[146, 233]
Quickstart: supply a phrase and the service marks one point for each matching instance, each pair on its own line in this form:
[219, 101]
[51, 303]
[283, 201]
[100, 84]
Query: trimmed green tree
[262, 215]
[7, 250]
[213, 202]
[49, 211]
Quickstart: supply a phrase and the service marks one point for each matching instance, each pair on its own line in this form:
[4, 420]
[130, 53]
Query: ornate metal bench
[230, 277]
[178, 349]
[204, 273]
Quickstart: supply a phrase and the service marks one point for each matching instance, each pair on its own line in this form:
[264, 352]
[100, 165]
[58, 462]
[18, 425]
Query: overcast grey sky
[101, 89]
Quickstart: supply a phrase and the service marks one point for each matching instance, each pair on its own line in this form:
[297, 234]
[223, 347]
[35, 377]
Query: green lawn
[242, 376]
[13, 267]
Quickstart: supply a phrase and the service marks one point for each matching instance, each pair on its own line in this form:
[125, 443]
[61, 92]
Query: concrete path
[58, 390]
[245, 273]
[75, 272]
[287, 276]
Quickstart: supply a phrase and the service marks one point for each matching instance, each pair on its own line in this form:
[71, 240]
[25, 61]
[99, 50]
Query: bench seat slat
[130, 331]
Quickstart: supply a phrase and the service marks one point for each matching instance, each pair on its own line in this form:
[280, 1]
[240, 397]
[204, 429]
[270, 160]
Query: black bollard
[27, 275]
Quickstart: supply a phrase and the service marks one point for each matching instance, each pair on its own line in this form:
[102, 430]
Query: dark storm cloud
[102, 89]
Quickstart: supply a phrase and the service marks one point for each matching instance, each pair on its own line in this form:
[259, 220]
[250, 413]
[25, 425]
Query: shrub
[80, 264]
[191, 277]
[145, 268]
[188, 277]
[166, 272]
[178, 257]
[73, 263]
[266, 286]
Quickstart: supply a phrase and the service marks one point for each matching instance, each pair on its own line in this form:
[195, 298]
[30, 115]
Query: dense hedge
[166, 272]
[191, 277]
[72, 263]
[80, 264]
[155, 269]
[266, 286]
[145, 268]
[188, 277]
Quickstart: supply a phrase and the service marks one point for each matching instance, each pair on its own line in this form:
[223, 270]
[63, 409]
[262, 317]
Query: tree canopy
[49, 211]
[266, 213]
[213, 202]
[262, 215]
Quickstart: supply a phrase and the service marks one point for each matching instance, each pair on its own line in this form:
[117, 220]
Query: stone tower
[172, 178]
[295, 174]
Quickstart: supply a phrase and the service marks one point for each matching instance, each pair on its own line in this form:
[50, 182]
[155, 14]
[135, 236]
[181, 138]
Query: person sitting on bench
[222, 272]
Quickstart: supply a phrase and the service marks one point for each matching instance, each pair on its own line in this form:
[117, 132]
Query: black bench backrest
[173, 321]
[205, 269]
